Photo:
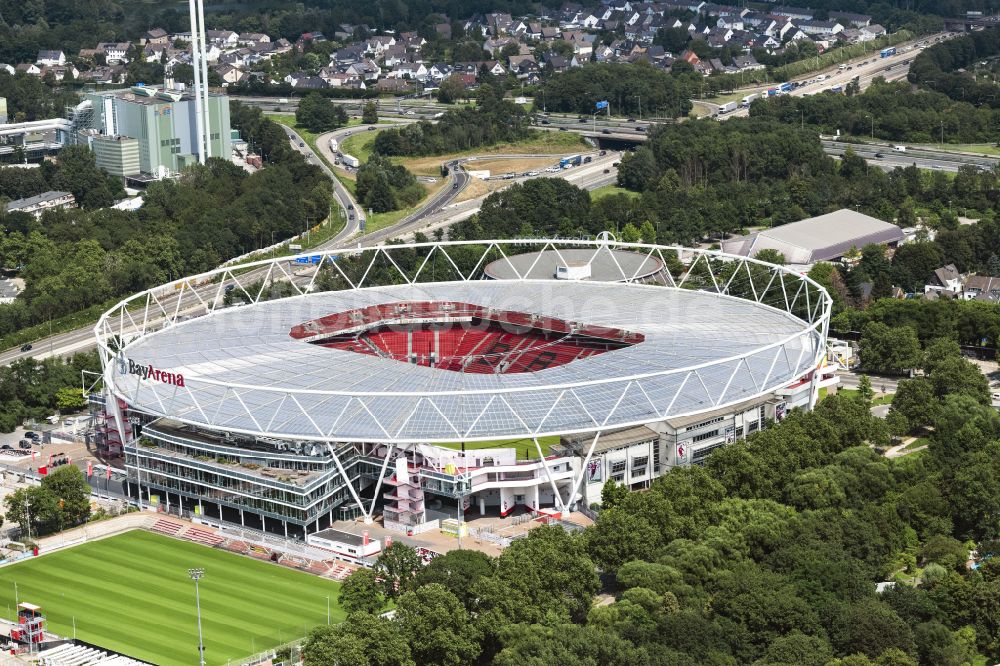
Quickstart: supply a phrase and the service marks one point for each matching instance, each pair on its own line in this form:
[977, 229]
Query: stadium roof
[243, 372]
[605, 264]
[821, 238]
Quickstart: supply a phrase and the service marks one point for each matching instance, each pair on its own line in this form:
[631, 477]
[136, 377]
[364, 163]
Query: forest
[768, 555]
[938, 68]
[630, 90]
[889, 112]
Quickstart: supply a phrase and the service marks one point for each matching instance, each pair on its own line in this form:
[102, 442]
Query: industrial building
[151, 131]
[823, 238]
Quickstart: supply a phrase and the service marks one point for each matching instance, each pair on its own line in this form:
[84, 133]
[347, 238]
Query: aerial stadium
[407, 382]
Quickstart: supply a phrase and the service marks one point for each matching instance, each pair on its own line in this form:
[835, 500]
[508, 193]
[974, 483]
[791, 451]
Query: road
[885, 157]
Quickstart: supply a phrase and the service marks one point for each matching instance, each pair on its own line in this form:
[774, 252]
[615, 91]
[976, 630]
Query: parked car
[25, 444]
[32, 435]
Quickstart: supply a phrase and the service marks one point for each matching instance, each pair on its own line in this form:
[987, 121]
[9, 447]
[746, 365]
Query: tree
[362, 640]
[865, 391]
[955, 375]
[889, 350]
[771, 256]
[69, 399]
[318, 114]
[612, 493]
[437, 627]
[457, 570]
[869, 627]
[39, 505]
[77, 172]
[369, 115]
[797, 648]
[396, 567]
[451, 89]
[914, 400]
[361, 592]
[72, 492]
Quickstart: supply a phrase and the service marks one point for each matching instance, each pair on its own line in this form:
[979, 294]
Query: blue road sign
[602, 104]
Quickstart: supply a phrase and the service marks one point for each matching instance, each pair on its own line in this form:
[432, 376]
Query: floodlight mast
[196, 575]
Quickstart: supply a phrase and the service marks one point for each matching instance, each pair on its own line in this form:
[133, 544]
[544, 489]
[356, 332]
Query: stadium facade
[411, 380]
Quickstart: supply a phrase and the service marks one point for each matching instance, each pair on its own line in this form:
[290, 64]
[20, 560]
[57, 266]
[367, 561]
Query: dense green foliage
[936, 67]
[889, 111]
[318, 114]
[493, 120]
[767, 556]
[29, 388]
[29, 98]
[383, 186]
[75, 172]
[628, 89]
[61, 501]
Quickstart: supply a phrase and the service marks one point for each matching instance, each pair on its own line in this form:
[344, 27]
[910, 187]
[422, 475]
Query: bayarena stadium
[406, 382]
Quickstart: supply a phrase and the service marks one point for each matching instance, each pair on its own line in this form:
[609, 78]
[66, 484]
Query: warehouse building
[823, 238]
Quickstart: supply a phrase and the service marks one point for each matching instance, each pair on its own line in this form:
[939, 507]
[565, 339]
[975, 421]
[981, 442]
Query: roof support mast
[196, 57]
[207, 122]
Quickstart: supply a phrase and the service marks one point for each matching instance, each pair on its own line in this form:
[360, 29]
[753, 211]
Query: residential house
[873, 31]
[115, 53]
[309, 83]
[222, 38]
[229, 74]
[61, 73]
[747, 63]
[521, 66]
[798, 13]
[378, 45]
[440, 71]
[822, 28]
[251, 38]
[282, 45]
[409, 70]
[29, 68]
[947, 279]
[40, 203]
[5, 67]
[155, 36]
[854, 20]
[367, 70]
[393, 85]
[51, 58]
[550, 34]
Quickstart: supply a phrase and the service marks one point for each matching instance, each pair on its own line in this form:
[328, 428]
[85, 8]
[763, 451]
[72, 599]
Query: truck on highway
[771, 92]
[899, 149]
[727, 107]
[748, 99]
[350, 160]
[885, 53]
[334, 146]
[786, 86]
[571, 161]
[837, 88]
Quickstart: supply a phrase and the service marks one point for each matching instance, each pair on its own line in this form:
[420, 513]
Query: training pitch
[131, 593]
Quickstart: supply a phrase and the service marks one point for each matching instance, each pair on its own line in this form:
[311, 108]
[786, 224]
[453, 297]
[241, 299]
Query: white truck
[350, 160]
[727, 107]
[748, 99]
[334, 146]
[899, 149]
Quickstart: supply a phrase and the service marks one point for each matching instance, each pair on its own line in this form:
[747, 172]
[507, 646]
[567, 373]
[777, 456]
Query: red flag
[109, 471]
[90, 469]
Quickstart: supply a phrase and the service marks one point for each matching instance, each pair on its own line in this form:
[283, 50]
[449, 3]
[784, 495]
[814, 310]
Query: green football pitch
[131, 593]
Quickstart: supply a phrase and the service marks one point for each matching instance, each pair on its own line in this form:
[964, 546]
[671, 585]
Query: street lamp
[196, 575]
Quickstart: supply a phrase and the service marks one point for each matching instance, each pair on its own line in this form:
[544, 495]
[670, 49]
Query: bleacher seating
[479, 340]
[167, 527]
[202, 536]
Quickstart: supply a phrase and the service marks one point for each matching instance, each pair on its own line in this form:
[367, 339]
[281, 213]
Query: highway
[887, 158]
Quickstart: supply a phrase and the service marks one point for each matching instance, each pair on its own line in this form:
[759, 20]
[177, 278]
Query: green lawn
[525, 447]
[917, 443]
[359, 144]
[131, 593]
[608, 190]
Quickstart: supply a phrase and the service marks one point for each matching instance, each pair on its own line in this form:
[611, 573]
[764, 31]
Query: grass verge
[609, 190]
[131, 593]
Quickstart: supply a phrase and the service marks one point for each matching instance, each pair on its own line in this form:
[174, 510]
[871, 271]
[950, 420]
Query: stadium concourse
[417, 383]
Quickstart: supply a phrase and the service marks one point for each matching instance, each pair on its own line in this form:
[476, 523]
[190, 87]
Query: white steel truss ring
[505, 410]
